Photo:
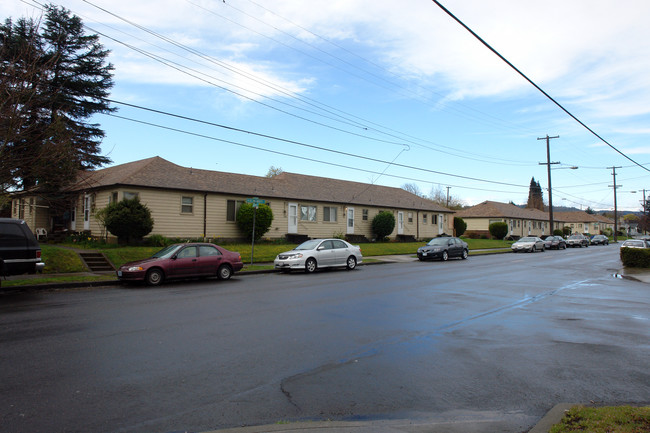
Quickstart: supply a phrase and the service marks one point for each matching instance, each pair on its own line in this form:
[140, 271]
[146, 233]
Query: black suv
[19, 250]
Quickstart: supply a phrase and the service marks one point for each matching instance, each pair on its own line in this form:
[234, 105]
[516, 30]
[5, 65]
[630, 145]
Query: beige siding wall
[172, 220]
[516, 227]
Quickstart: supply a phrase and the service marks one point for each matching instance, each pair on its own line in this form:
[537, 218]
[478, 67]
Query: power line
[535, 85]
[308, 101]
[293, 142]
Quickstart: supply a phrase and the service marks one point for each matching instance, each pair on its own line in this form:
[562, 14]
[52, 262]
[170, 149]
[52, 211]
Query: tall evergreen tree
[535, 198]
[53, 79]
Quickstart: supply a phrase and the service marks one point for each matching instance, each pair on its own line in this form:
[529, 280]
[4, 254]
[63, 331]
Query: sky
[384, 92]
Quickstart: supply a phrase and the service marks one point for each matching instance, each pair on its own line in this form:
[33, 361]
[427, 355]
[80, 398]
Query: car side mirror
[174, 257]
[320, 248]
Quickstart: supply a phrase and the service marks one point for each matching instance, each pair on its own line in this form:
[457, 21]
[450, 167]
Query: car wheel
[533, 249]
[310, 265]
[154, 277]
[445, 256]
[543, 248]
[224, 272]
[465, 254]
[587, 246]
[351, 263]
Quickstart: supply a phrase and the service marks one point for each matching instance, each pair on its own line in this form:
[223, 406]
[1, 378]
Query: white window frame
[187, 208]
[308, 213]
[330, 214]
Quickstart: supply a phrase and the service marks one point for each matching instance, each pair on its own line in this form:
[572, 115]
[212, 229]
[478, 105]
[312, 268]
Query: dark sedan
[442, 248]
[183, 261]
[599, 240]
[555, 243]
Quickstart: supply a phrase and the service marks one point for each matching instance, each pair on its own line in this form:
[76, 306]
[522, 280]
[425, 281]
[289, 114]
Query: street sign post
[256, 202]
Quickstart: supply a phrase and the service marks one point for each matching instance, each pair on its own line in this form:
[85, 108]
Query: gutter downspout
[205, 215]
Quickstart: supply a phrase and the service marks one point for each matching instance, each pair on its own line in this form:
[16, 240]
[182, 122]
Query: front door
[293, 218]
[350, 219]
[400, 223]
[441, 224]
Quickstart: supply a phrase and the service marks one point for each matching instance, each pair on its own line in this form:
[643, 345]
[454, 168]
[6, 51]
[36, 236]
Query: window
[364, 214]
[307, 213]
[424, 218]
[232, 207]
[187, 204]
[338, 244]
[187, 252]
[112, 198]
[208, 251]
[128, 195]
[434, 219]
[329, 213]
[410, 216]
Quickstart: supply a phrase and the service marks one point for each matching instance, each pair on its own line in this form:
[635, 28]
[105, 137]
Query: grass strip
[610, 419]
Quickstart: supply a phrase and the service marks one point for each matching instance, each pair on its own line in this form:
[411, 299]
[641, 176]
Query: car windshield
[527, 240]
[441, 242]
[166, 252]
[308, 245]
[575, 237]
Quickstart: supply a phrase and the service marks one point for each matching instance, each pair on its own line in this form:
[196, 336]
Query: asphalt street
[498, 340]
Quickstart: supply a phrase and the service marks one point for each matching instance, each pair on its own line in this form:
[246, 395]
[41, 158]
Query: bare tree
[412, 188]
[274, 171]
[439, 196]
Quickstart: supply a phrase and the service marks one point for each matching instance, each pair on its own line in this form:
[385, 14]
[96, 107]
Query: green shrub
[129, 220]
[635, 257]
[558, 232]
[263, 219]
[383, 224]
[459, 226]
[566, 231]
[158, 241]
[498, 230]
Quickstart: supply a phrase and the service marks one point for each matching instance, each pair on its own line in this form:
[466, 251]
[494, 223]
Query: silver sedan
[529, 243]
[319, 253]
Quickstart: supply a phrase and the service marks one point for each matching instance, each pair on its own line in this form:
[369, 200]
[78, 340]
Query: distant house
[521, 221]
[191, 203]
[530, 222]
[582, 222]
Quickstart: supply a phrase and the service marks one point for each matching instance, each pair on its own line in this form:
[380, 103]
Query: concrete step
[96, 261]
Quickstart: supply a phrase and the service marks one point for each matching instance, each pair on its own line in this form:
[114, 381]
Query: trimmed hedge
[635, 257]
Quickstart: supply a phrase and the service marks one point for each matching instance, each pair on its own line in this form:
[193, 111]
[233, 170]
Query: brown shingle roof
[578, 217]
[494, 209]
[157, 172]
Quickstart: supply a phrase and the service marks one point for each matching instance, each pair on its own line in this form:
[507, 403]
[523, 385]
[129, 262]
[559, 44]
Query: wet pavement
[496, 343]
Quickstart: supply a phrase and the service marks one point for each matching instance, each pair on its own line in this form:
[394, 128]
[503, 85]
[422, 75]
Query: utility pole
[615, 206]
[645, 209]
[548, 169]
[448, 196]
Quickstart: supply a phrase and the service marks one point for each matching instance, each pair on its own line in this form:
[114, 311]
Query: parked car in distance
[635, 243]
[528, 243]
[183, 261]
[577, 240]
[442, 248]
[599, 240]
[319, 253]
[555, 242]
[20, 252]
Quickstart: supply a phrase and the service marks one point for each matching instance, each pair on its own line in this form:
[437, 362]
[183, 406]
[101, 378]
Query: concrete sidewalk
[552, 417]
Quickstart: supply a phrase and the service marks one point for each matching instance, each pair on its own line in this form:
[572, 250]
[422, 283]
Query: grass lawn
[616, 419]
[59, 260]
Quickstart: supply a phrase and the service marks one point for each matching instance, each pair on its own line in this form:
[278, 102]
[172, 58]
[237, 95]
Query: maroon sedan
[183, 261]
